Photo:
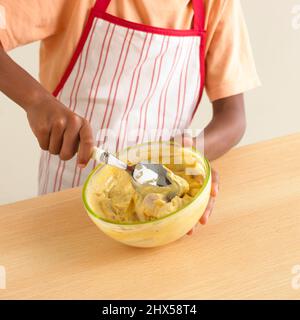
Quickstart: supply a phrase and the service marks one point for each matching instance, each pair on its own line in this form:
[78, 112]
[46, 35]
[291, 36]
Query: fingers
[65, 137]
[211, 203]
[208, 211]
[184, 140]
[71, 139]
[43, 137]
[42, 132]
[86, 144]
[190, 232]
[66, 133]
[187, 141]
[193, 230]
[214, 183]
[56, 136]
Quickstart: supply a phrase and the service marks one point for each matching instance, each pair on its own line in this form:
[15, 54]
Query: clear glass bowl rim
[90, 211]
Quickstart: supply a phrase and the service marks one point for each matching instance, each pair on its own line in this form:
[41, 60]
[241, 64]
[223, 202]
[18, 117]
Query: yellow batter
[114, 197]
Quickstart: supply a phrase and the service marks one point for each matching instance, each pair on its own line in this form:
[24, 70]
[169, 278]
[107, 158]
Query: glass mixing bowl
[163, 230]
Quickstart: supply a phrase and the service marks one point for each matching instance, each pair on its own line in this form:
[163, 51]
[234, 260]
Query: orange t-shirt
[230, 67]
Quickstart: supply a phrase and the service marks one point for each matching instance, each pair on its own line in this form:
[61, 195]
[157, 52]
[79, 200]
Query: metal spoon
[142, 173]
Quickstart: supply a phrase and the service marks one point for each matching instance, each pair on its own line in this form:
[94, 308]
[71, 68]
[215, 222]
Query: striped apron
[133, 83]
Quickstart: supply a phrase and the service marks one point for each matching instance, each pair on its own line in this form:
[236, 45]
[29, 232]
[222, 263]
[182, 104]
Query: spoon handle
[103, 156]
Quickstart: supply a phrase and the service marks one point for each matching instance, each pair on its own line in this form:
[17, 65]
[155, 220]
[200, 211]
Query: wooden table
[51, 249]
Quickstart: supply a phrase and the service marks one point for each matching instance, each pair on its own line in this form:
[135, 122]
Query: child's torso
[133, 82]
[54, 58]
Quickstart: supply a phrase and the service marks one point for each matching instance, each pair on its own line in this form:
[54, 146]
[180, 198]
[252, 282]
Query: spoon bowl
[142, 173]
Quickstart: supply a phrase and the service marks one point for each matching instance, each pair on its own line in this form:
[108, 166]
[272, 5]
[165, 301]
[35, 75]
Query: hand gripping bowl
[163, 230]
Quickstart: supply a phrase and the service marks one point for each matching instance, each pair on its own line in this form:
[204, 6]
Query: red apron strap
[199, 15]
[102, 5]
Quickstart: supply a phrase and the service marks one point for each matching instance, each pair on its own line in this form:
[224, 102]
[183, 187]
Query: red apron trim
[199, 15]
[99, 12]
[202, 70]
[101, 5]
[76, 54]
[198, 21]
[146, 28]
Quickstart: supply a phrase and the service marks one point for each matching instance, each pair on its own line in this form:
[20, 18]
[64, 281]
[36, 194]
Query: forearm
[18, 85]
[226, 128]
[57, 129]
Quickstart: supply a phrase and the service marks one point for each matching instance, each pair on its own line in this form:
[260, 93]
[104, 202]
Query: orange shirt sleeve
[25, 21]
[230, 67]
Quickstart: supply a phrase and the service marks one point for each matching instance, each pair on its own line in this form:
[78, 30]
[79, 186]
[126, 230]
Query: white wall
[273, 110]
[19, 153]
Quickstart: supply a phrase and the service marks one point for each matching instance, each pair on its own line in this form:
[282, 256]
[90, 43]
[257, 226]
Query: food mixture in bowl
[113, 196]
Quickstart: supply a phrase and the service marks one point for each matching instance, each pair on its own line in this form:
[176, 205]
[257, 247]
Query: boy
[126, 68]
